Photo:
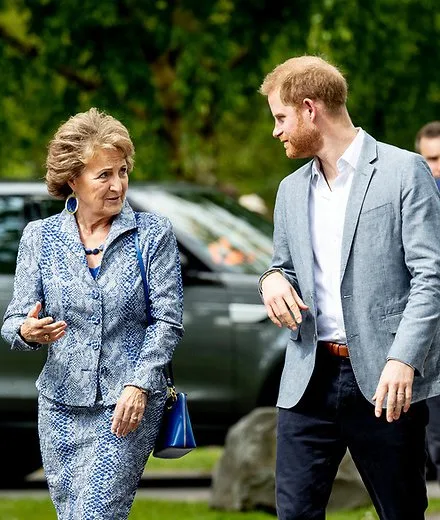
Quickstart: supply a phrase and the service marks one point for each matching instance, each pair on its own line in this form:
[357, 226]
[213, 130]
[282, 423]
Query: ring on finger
[46, 337]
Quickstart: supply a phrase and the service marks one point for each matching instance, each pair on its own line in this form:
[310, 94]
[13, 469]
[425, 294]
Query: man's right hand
[282, 302]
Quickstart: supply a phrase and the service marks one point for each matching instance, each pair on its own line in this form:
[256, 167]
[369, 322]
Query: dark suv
[231, 356]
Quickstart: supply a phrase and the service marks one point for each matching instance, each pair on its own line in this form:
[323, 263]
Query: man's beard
[305, 143]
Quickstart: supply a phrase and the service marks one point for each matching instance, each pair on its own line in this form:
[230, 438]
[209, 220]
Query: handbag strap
[144, 277]
[169, 367]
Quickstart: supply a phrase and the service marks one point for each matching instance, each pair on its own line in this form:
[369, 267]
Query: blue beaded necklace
[94, 251]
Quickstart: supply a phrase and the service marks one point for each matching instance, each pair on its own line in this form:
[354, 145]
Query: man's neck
[337, 138]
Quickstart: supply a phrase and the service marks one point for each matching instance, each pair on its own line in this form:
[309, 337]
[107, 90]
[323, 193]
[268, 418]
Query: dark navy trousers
[332, 416]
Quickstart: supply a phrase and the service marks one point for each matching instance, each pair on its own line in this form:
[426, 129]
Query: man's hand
[395, 382]
[282, 302]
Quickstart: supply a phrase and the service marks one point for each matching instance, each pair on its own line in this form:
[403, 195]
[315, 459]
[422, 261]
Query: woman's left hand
[129, 411]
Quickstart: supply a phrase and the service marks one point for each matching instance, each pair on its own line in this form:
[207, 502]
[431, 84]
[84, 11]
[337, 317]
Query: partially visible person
[78, 292]
[355, 276]
[428, 145]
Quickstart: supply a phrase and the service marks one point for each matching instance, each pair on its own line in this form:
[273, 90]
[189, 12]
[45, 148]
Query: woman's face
[101, 187]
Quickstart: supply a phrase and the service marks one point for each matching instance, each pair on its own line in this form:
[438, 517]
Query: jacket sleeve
[166, 305]
[420, 211]
[281, 258]
[27, 288]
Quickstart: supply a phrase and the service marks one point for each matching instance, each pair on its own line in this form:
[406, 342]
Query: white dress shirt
[327, 213]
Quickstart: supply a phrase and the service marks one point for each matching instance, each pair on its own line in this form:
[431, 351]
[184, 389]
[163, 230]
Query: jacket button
[95, 320]
[95, 294]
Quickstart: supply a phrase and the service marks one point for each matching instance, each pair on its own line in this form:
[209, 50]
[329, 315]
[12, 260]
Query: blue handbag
[175, 438]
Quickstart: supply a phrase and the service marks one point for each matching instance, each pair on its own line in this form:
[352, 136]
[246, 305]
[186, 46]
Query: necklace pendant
[94, 251]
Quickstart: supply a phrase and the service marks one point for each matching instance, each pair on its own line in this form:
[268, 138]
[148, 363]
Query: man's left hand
[395, 384]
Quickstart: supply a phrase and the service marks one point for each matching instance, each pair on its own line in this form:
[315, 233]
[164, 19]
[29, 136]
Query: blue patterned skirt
[91, 473]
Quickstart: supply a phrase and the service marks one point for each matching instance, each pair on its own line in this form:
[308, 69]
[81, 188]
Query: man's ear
[310, 106]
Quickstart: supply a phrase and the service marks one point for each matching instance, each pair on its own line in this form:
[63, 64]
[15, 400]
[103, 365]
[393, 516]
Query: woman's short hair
[307, 77]
[75, 143]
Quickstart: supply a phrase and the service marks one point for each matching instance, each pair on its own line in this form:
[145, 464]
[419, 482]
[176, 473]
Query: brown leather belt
[335, 349]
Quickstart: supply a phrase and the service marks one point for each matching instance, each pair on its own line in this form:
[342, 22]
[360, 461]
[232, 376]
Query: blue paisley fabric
[106, 347]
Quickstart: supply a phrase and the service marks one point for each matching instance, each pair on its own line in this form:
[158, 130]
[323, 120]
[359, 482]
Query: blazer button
[96, 320]
[95, 294]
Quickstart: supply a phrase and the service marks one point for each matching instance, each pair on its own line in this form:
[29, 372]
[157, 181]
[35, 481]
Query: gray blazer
[390, 270]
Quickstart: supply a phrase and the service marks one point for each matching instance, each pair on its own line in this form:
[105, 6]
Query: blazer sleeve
[281, 258]
[420, 213]
[28, 288]
[166, 304]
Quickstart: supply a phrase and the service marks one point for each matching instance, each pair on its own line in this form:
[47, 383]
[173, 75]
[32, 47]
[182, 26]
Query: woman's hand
[42, 331]
[129, 411]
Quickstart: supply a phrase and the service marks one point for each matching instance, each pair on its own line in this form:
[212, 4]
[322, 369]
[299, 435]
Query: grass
[200, 460]
[38, 509]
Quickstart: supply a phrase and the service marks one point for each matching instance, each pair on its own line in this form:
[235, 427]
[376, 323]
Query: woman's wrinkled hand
[44, 330]
[129, 411]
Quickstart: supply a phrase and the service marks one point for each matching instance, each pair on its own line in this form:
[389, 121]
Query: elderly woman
[78, 292]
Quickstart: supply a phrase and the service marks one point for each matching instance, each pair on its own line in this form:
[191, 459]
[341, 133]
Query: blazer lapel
[69, 234]
[122, 223]
[359, 187]
[303, 237]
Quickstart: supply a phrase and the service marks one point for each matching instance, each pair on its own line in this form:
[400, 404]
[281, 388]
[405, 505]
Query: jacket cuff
[19, 343]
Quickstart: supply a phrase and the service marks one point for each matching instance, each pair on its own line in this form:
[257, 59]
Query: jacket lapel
[123, 222]
[69, 234]
[359, 187]
[303, 237]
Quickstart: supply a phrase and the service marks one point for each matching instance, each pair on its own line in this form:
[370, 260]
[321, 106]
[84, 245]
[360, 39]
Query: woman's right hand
[45, 330]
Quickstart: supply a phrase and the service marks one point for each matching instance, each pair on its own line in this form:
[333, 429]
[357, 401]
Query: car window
[15, 212]
[222, 231]
[12, 222]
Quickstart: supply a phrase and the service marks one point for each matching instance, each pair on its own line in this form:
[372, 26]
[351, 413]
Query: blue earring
[71, 204]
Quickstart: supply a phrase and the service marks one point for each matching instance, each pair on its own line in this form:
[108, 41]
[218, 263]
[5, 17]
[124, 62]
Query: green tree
[183, 76]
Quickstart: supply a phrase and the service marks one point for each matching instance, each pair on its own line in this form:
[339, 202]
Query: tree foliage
[183, 76]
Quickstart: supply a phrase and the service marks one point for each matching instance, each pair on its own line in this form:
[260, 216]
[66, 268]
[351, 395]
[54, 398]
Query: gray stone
[348, 489]
[244, 478]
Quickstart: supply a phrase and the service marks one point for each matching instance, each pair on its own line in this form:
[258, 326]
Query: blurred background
[183, 76]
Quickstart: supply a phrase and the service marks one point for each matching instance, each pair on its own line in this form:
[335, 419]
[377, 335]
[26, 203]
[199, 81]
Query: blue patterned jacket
[107, 342]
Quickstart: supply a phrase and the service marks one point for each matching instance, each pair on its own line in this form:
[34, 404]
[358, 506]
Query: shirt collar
[350, 157]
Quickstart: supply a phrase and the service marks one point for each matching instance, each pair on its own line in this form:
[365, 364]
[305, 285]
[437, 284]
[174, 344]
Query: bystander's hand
[44, 330]
[282, 302]
[395, 385]
[129, 411]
